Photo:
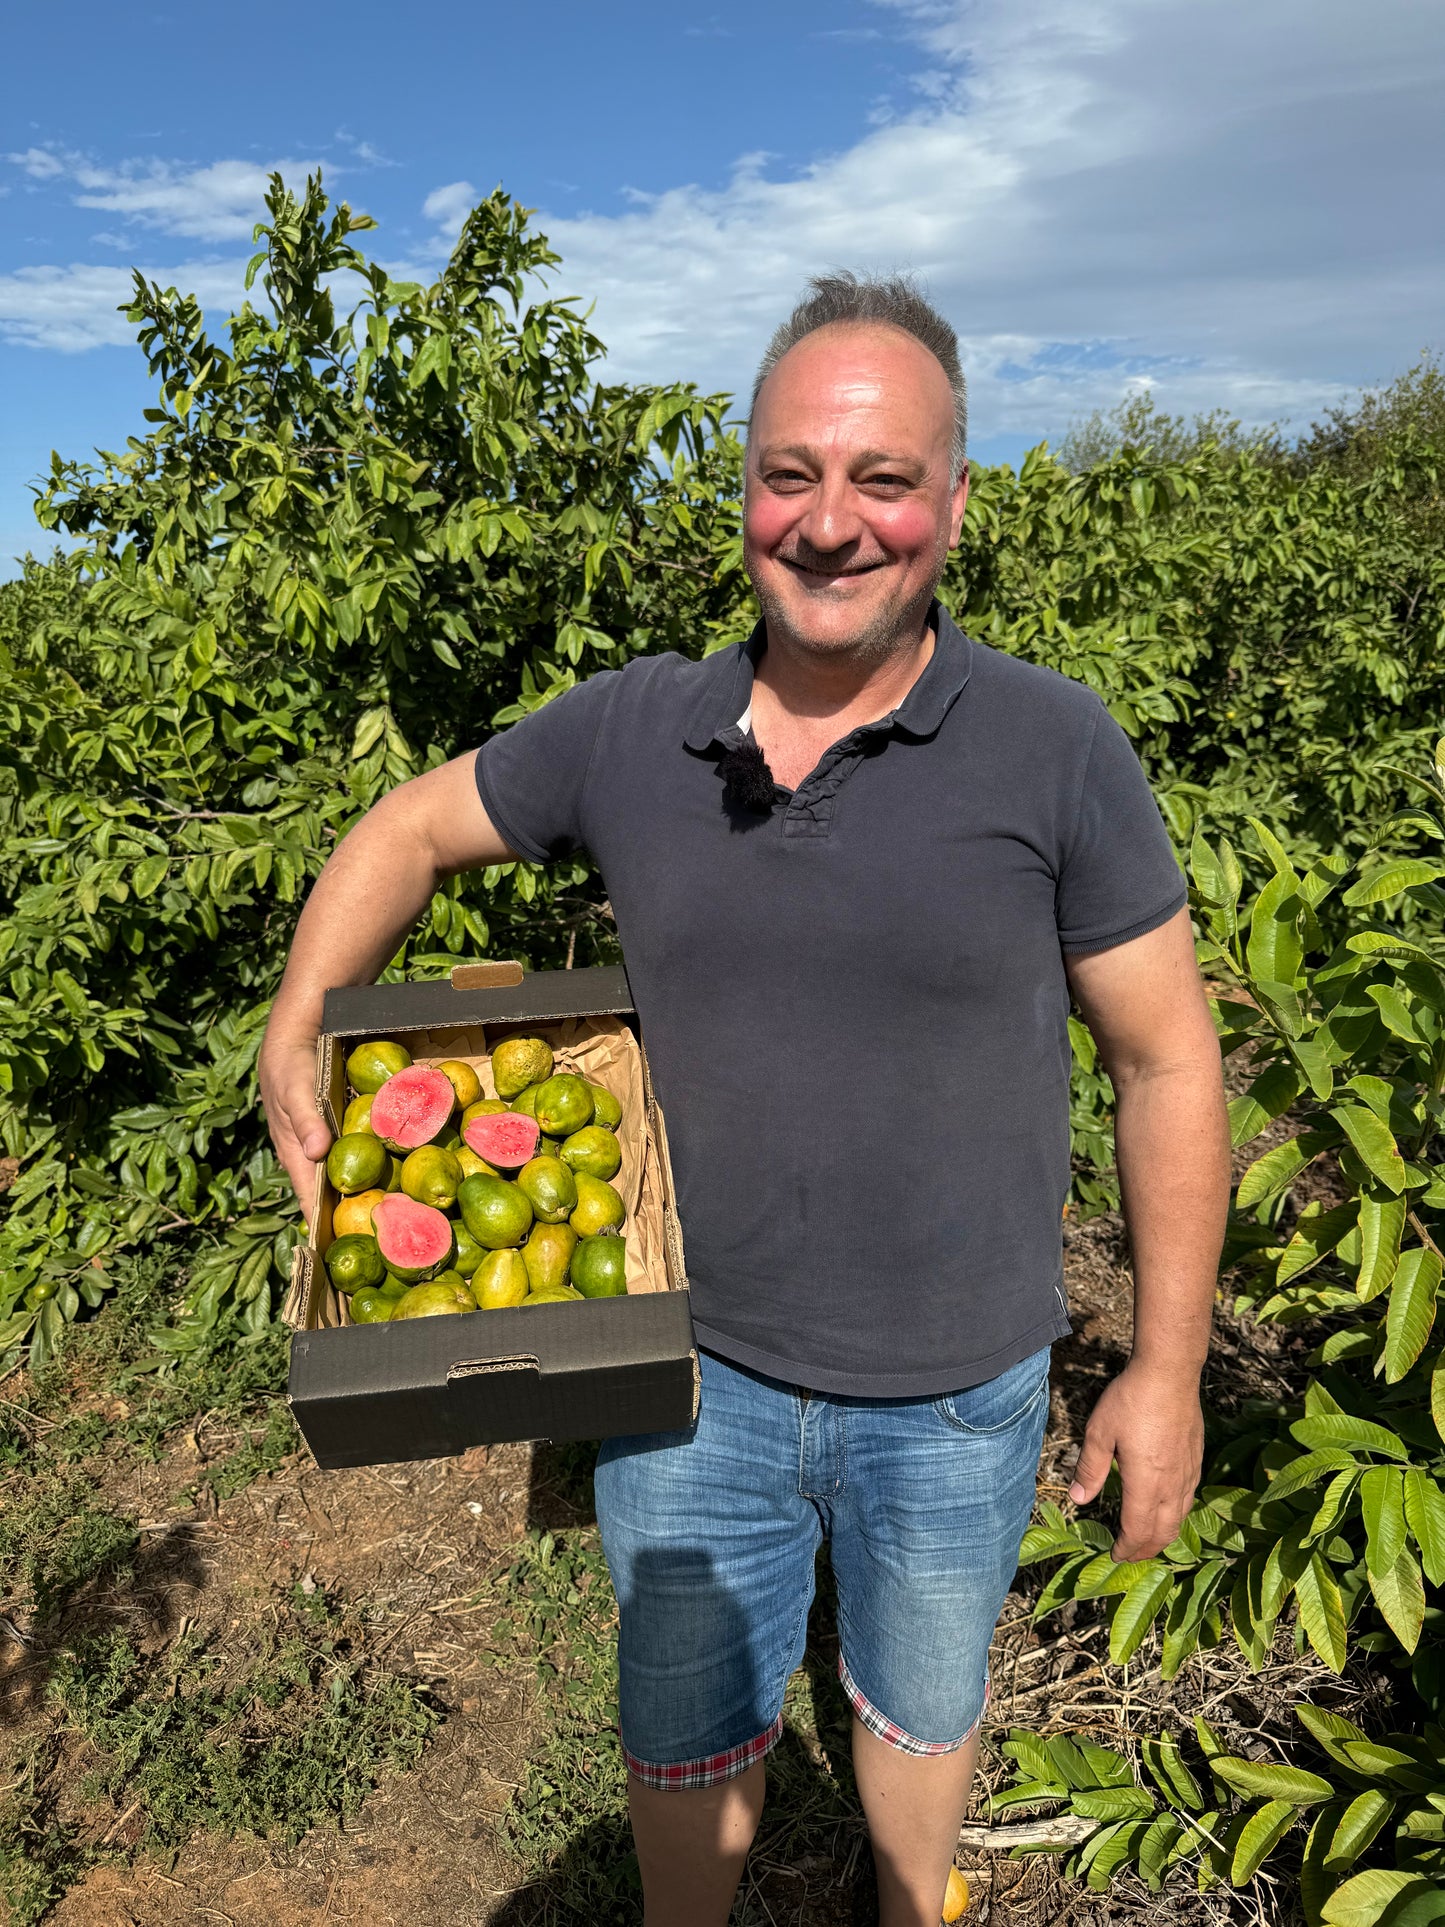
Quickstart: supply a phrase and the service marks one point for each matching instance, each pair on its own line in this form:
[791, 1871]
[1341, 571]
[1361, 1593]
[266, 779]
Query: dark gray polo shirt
[855, 1007]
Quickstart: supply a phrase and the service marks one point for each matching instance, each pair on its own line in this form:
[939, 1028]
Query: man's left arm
[1145, 1004]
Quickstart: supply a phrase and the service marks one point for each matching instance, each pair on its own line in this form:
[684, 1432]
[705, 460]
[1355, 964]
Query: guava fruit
[432, 1176]
[518, 1062]
[463, 1079]
[550, 1187]
[358, 1115]
[606, 1111]
[393, 1287]
[564, 1105]
[599, 1267]
[495, 1211]
[393, 1181]
[599, 1206]
[372, 1063]
[553, 1295]
[353, 1262]
[483, 1107]
[499, 1280]
[592, 1150]
[525, 1102]
[415, 1240]
[357, 1162]
[472, 1165]
[412, 1108]
[469, 1254]
[435, 1298]
[505, 1140]
[353, 1215]
[547, 1254]
[371, 1306]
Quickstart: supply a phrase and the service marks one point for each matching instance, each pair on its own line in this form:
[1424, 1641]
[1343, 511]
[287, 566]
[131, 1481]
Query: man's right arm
[373, 889]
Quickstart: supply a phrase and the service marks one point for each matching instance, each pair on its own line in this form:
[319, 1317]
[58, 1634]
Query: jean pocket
[1001, 1402]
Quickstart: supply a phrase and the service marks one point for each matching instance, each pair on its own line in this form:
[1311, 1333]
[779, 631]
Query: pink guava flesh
[506, 1139]
[412, 1107]
[415, 1240]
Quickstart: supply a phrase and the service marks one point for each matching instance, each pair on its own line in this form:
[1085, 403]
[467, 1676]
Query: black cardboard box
[431, 1387]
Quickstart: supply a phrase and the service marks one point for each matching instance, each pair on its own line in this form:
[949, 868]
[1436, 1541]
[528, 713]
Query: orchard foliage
[374, 520]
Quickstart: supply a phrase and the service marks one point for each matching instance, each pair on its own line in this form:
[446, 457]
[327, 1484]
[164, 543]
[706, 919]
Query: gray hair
[882, 300]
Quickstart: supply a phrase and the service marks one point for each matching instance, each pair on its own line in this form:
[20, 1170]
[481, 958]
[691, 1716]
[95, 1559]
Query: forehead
[854, 371]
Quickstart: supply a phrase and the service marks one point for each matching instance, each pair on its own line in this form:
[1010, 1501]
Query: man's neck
[801, 705]
[817, 689]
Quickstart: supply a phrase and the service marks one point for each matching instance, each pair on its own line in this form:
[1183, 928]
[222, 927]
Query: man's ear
[960, 503]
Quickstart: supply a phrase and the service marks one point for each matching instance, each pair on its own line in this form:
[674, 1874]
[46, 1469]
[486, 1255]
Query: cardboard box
[430, 1387]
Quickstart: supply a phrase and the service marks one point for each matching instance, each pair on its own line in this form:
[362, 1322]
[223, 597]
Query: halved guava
[506, 1139]
[415, 1240]
[411, 1108]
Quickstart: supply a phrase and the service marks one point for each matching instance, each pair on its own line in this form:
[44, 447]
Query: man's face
[849, 505]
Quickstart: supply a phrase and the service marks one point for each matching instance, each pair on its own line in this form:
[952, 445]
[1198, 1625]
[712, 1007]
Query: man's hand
[298, 1130]
[1152, 1424]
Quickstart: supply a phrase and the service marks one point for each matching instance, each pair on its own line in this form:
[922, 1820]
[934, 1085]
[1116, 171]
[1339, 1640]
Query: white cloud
[75, 308]
[449, 206]
[219, 202]
[1236, 203]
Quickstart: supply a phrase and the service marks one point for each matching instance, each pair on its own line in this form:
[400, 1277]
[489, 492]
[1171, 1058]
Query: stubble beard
[896, 627]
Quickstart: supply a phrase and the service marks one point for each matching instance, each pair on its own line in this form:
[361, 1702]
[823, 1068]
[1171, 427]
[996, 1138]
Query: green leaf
[1114, 1803]
[1390, 1899]
[1309, 1470]
[1164, 1835]
[1341, 1429]
[1382, 1224]
[1258, 1780]
[1322, 1612]
[1137, 1611]
[1271, 1094]
[1271, 1174]
[1411, 1311]
[1373, 1143]
[1425, 1516]
[1314, 1238]
[1392, 880]
[1400, 1595]
[1275, 952]
[1382, 1507]
[1262, 1832]
[1361, 1820]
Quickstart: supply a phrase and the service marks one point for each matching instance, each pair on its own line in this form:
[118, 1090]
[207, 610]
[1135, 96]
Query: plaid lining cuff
[884, 1729]
[712, 1771]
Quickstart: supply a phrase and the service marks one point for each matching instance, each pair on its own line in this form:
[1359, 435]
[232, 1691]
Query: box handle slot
[484, 1367]
[497, 975]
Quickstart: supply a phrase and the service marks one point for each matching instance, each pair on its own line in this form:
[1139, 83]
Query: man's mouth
[829, 575]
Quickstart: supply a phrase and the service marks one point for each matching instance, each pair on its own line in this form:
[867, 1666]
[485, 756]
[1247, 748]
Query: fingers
[1149, 1518]
[298, 1129]
[1095, 1457]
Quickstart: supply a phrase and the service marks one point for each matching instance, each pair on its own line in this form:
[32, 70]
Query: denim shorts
[711, 1535]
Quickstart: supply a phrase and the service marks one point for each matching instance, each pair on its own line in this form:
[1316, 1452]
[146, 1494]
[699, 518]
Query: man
[858, 866]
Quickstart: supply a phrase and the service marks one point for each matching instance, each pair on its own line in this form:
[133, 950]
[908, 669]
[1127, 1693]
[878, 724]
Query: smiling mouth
[829, 575]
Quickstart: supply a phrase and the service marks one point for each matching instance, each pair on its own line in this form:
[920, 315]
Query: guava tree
[369, 522]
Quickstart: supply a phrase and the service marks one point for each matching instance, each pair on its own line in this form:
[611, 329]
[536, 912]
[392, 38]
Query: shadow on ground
[138, 1582]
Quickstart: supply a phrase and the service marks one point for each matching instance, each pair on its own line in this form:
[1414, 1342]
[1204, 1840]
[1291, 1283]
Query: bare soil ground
[420, 1549]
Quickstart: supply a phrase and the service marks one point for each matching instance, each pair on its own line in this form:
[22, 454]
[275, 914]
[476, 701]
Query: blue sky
[1236, 205]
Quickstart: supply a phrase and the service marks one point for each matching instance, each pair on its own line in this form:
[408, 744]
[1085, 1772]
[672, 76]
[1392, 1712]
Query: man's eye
[787, 478]
[887, 481]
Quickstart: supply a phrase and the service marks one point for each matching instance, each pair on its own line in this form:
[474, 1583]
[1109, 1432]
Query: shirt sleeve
[1120, 877]
[532, 777]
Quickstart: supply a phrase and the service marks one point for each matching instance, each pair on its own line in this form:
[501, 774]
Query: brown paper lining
[601, 1049]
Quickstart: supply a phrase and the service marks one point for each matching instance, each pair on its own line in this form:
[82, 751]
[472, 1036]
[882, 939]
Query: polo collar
[728, 692]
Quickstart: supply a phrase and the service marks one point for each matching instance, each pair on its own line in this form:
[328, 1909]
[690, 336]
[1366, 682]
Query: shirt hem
[933, 1383]
[1141, 928]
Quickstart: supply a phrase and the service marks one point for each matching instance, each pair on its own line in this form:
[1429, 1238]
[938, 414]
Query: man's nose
[831, 520]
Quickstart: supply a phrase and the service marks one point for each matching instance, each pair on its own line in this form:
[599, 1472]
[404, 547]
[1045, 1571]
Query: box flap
[543, 996]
